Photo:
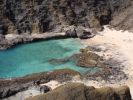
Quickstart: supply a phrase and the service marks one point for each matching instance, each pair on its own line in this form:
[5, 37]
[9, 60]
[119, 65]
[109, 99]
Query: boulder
[88, 59]
[44, 89]
[77, 91]
[84, 33]
[3, 29]
[80, 32]
[71, 32]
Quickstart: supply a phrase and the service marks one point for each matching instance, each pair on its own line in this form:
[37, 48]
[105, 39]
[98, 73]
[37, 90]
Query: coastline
[15, 85]
[117, 46]
[12, 40]
[101, 60]
[111, 44]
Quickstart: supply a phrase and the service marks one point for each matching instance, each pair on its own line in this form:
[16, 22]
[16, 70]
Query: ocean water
[33, 58]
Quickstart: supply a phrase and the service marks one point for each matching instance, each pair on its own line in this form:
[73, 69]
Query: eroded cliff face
[38, 16]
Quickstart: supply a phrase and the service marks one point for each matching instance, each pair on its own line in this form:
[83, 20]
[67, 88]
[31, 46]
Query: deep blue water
[33, 58]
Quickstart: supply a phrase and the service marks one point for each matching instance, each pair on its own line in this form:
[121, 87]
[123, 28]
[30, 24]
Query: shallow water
[33, 58]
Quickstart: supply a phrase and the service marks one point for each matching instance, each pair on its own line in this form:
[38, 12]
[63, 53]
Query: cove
[33, 58]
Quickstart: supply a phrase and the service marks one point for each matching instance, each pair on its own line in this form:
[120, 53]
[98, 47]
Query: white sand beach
[119, 46]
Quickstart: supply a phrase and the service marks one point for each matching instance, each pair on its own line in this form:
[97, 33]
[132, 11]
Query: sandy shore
[115, 44]
[119, 46]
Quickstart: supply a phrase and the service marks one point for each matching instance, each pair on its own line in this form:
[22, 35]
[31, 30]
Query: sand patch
[117, 45]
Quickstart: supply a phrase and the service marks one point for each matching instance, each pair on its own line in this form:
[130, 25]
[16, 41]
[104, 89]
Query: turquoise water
[32, 58]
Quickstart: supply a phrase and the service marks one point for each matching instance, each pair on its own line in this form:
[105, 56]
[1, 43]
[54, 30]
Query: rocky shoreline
[15, 85]
[109, 70]
[9, 87]
[11, 40]
[106, 74]
[20, 19]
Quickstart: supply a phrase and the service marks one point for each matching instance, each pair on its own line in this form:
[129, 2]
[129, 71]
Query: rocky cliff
[124, 20]
[38, 16]
[76, 91]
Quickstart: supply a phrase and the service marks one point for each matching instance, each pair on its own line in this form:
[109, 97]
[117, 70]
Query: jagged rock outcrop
[85, 59]
[80, 32]
[77, 91]
[11, 87]
[38, 16]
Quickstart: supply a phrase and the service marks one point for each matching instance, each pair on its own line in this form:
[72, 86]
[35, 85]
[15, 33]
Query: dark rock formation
[38, 16]
[13, 89]
[15, 85]
[71, 32]
[44, 89]
[85, 59]
[85, 33]
[80, 32]
[88, 59]
[3, 29]
[76, 91]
